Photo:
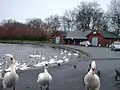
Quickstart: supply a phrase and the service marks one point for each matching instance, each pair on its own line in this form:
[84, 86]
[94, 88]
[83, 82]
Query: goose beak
[46, 66]
[11, 60]
[93, 69]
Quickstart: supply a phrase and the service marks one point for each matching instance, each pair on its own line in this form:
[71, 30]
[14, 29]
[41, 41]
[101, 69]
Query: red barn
[102, 38]
[70, 37]
[60, 35]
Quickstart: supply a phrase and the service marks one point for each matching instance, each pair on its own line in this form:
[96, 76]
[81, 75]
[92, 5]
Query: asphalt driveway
[68, 78]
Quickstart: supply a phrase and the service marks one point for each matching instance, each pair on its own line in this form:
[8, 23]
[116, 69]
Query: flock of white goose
[39, 59]
[10, 78]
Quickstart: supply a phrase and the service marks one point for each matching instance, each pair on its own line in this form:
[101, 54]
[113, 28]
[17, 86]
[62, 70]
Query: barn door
[57, 40]
[95, 41]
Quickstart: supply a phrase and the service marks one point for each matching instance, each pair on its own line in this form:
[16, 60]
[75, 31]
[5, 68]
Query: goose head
[12, 64]
[93, 67]
[46, 64]
[45, 69]
[12, 60]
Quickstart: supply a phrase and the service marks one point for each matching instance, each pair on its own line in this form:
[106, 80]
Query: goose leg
[47, 88]
[4, 86]
[83, 82]
[41, 87]
[87, 88]
[13, 87]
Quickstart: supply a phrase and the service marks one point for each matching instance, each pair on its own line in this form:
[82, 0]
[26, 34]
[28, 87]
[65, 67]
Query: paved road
[67, 78]
[98, 52]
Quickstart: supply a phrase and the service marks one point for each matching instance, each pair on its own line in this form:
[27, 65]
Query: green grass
[24, 41]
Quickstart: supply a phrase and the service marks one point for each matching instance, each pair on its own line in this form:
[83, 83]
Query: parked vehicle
[110, 45]
[115, 45]
[85, 43]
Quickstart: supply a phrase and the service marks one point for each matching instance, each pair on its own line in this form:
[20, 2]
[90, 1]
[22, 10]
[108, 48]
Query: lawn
[24, 41]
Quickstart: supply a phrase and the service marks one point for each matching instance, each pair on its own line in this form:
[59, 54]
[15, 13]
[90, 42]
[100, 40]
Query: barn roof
[76, 35]
[63, 33]
[107, 34]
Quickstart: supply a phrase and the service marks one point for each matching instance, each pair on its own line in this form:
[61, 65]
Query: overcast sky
[20, 10]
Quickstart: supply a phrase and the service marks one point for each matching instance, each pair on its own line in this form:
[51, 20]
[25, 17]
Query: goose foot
[47, 87]
[87, 88]
[40, 87]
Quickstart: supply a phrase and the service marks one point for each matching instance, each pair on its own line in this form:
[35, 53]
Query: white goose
[44, 79]
[1, 63]
[69, 54]
[91, 80]
[60, 61]
[34, 56]
[61, 53]
[65, 58]
[16, 65]
[41, 63]
[42, 57]
[24, 66]
[65, 51]
[76, 54]
[10, 78]
[52, 60]
[55, 56]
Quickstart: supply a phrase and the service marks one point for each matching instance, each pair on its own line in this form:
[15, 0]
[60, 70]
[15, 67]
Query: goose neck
[91, 71]
[13, 68]
[45, 70]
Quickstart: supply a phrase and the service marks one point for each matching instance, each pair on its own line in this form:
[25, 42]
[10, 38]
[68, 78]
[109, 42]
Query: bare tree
[114, 14]
[53, 22]
[83, 16]
[68, 21]
[104, 23]
[35, 22]
[88, 15]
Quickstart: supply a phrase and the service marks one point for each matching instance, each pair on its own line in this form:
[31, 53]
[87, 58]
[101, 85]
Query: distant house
[70, 37]
[75, 37]
[58, 37]
[102, 38]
